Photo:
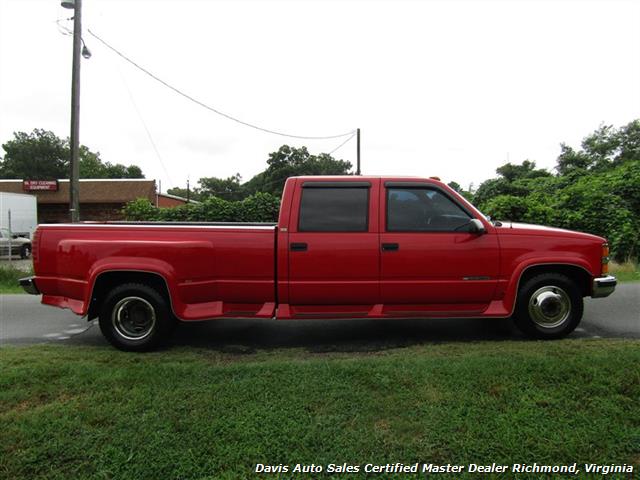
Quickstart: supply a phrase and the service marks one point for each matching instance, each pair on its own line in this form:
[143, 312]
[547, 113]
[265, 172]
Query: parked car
[343, 247]
[19, 245]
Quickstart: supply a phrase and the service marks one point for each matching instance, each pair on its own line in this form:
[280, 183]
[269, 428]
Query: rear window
[334, 210]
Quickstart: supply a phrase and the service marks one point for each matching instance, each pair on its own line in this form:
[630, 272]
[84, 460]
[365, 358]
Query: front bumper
[29, 285]
[603, 286]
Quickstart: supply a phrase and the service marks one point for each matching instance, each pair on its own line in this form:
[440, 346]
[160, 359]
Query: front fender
[511, 292]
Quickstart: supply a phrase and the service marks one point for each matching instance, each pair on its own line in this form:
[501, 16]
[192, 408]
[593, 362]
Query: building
[100, 199]
[166, 200]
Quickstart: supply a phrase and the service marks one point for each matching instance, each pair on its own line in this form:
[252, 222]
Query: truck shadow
[246, 336]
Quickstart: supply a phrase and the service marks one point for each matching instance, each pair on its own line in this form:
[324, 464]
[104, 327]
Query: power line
[202, 104]
[342, 144]
[144, 124]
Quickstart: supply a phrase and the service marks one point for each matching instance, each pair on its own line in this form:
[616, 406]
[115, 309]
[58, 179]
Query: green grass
[95, 413]
[625, 272]
[9, 277]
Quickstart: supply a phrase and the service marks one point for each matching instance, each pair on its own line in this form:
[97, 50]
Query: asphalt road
[24, 321]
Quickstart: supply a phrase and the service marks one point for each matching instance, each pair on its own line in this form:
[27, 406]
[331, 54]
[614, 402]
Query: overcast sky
[449, 88]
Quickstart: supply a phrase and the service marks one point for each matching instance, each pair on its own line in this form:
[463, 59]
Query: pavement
[23, 320]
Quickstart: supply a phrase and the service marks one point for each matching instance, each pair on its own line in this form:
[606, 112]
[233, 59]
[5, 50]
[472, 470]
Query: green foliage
[286, 162]
[495, 187]
[140, 209]
[597, 190]
[527, 169]
[290, 161]
[465, 193]
[191, 194]
[261, 207]
[43, 155]
[38, 155]
[9, 276]
[605, 148]
[227, 188]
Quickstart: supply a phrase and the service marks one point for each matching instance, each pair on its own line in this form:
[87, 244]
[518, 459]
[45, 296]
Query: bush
[260, 207]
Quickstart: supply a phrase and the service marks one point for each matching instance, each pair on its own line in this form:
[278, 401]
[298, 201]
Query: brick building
[100, 199]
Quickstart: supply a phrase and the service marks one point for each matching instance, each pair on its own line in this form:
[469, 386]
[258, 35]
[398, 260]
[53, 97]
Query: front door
[429, 262]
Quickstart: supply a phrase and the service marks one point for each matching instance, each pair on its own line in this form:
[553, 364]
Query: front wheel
[25, 252]
[135, 317]
[548, 306]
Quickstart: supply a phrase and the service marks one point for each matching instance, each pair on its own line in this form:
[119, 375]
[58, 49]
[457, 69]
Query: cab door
[430, 260]
[334, 251]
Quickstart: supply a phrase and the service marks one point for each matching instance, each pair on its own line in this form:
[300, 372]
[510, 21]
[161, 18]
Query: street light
[74, 200]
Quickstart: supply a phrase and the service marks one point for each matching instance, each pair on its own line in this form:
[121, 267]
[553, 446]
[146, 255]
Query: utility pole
[74, 190]
[10, 234]
[358, 150]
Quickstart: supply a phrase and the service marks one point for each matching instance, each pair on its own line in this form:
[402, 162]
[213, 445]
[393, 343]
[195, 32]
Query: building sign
[35, 185]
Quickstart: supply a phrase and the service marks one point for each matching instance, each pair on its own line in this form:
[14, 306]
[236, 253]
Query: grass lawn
[9, 277]
[93, 412]
[625, 272]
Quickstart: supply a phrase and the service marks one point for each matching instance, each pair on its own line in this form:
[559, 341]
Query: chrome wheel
[549, 306]
[133, 318]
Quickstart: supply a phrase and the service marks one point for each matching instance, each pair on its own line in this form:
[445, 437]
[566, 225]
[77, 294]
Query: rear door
[429, 261]
[334, 249]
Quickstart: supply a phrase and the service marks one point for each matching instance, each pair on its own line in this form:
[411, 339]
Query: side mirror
[476, 226]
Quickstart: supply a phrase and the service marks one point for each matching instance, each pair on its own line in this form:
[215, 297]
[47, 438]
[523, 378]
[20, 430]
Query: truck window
[334, 210]
[423, 210]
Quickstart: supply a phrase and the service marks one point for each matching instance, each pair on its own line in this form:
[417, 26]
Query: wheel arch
[107, 280]
[578, 274]
[574, 270]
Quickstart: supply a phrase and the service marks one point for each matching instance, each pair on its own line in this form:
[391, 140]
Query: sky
[447, 88]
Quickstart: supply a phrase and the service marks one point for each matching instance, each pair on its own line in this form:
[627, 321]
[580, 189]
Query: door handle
[390, 247]
[298, 247]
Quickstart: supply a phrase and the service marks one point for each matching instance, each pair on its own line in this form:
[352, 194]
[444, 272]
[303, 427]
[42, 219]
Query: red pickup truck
[343, 247]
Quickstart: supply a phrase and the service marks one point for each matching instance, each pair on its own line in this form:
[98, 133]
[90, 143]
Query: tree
[603, 149]
[496, 186]
[629, 142]
[36, 155]
[527, 169]
[225, 188]
[192, 194]
[570, 160]
[282, 164]
[601, 146]
[290, 161]
[465, 193]
[43, 155]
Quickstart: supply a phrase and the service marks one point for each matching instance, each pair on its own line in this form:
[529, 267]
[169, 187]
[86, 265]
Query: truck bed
[211, 269]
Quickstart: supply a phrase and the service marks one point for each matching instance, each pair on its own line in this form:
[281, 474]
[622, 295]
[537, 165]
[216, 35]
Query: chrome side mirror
[476, 226]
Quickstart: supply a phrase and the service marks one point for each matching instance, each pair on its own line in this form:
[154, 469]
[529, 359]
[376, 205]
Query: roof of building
[101, 190]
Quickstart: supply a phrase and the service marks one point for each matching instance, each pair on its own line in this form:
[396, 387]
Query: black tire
[25, 251]
[548, 306]
[135, 317]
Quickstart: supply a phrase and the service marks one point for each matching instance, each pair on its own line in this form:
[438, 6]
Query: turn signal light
[605, 258]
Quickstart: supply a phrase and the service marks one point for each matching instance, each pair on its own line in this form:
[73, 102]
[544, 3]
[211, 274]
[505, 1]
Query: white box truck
[24, 213]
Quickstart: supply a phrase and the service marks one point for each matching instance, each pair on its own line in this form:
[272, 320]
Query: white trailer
[24, 213]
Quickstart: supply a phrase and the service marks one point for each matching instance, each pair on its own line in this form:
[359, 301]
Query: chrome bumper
[29, 285]
[603, 286]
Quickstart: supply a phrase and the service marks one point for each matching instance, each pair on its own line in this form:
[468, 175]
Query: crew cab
[343, 247]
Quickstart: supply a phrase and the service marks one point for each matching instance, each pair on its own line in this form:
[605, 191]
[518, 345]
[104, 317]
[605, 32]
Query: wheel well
[107, 281]
[577, 274]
